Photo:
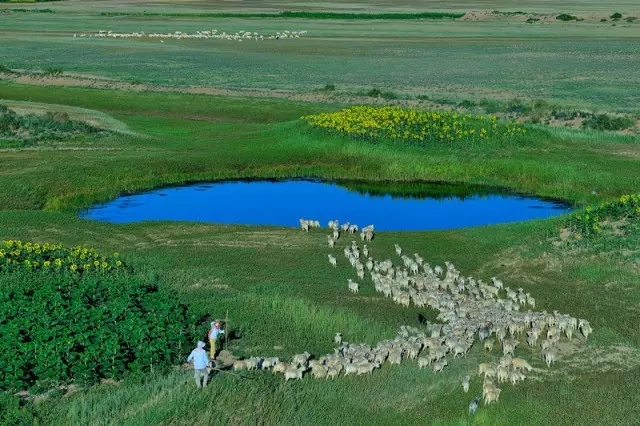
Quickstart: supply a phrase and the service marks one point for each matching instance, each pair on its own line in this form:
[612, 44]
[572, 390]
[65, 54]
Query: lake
[281, 203]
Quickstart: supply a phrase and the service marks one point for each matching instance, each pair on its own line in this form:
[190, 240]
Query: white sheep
[465, 383]
[550, 356]
[520, 364]
[354, 287]
[423, 362]
[488, 345]
[293, 373]
[398, 249]
[337, 339]
[268, 363]
[301, 359]
[439, 366]
[492, 396]
[332, 260]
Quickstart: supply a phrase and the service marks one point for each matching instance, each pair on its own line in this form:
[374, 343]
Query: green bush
[374, 93]
[590, 222]
[518, 107]
[60, 325]
[567, 17]
[491, 106]
[616, 16]
[467, 104]
[6, 70]
[606, 122]
[32, 128]
[53, 71]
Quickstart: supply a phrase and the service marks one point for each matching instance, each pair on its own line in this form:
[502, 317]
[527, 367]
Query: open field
[578, 65]
[185, 110]
[203, 6]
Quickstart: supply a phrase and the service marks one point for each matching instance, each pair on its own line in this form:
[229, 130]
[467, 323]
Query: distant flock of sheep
[470, 311]
[208, 34]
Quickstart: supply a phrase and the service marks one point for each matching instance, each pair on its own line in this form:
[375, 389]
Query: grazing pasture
[205, 109]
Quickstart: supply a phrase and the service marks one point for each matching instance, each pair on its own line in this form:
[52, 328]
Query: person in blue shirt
[200, 364]
[213, 336]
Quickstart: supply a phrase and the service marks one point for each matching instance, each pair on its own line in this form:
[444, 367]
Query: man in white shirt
[200, 363]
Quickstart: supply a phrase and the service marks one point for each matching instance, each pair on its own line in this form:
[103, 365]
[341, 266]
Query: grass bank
[183, 138]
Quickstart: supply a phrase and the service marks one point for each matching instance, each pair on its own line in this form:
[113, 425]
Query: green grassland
[582, 65]
[281, 294]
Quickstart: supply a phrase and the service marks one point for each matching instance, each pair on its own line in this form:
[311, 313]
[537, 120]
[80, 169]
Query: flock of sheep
[208, 34]
[471, 312]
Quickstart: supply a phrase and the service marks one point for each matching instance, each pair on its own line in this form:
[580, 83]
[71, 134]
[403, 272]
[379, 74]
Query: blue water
[283, 203]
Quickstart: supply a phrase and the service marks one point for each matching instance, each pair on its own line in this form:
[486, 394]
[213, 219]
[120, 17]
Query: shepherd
[200, 363]
[213, 336]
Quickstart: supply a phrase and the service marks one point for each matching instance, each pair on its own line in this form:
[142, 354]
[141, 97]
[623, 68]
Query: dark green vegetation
[75, 316]
[567, 17]
[606, 122]
[31, 129]
[281, 294]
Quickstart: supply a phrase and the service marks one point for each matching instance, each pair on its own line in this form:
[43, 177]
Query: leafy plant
[6, 70]
[53, 71]
[32, 128]
[616, 16]
[590, 222]
[374, 93]
[567, 17]
[328, 88]
[63, 325]
[606, 122]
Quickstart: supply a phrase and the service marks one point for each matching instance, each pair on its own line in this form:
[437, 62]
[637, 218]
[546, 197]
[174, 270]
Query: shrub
[63, 324]
[517, 106]
[53, 71]
[374, 93]
[616, 16]
[532, 20]
[31, 128]
[631, 19]
[328, 88]
[467, 104]
[388, 95]
[589, 223]
[491, 106]
[567, 17]
[605, 122]
[6, 70]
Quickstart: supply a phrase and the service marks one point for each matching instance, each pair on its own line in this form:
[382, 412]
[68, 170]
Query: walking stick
[233, 374]
[226, 330]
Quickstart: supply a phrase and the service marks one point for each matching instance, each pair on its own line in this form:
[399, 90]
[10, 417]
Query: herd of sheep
[470, 312]
[207, 34]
